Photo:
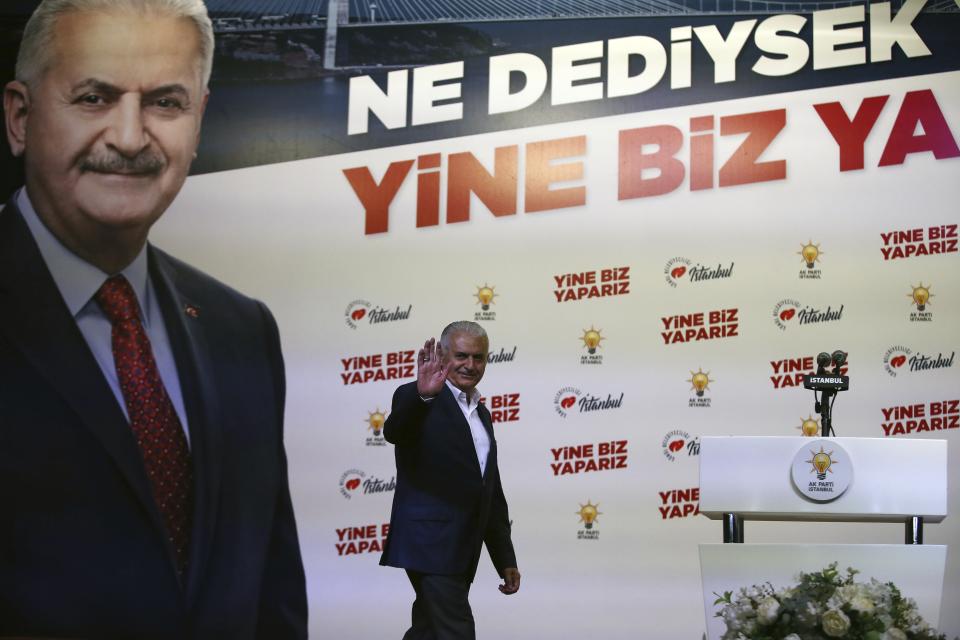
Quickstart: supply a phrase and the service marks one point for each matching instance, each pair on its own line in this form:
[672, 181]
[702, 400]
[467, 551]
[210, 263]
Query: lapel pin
[191, 311]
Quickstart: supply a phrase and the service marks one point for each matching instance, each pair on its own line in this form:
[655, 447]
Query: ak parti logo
[485, 297]
[810, 427]
[700, 383]
[810, 254]
[374, 422]
[592, 339]
[920, 299]
[589, 514]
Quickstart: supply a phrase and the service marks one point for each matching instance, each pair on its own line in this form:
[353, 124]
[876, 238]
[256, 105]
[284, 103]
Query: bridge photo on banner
[660, 211]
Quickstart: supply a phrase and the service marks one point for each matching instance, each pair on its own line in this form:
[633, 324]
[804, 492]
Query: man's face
[468, 355]
[110, 128]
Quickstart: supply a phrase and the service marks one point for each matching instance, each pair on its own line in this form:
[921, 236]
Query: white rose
[861, 604]
[835, 623]
[792, 636]
[847, 592]
[809, 614]
[767, 610]
[836, 601]
[893, 634]
[731, 618]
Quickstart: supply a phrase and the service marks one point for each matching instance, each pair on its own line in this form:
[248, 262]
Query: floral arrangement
[821, 606]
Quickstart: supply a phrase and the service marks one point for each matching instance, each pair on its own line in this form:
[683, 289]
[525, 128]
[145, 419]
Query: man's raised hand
[431, 371]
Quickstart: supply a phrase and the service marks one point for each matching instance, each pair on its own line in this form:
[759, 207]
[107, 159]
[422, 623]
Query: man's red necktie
[155, 425]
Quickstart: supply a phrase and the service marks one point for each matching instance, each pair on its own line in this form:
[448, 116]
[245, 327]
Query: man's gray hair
[36, 47]
[462, 326]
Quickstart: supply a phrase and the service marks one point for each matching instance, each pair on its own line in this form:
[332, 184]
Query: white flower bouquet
[821, 606]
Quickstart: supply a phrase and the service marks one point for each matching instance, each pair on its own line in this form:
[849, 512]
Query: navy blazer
[83, 550]
[443, 509]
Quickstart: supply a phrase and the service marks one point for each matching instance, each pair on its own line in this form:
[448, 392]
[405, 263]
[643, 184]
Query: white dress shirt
[468, 405]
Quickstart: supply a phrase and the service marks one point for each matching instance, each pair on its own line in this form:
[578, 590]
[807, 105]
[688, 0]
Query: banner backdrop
[659, 221]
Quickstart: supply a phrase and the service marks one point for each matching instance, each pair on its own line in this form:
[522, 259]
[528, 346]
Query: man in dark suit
[448, 501]
[143, 480]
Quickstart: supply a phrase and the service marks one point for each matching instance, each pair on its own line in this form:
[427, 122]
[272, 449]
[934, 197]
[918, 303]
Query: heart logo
[352, 484]
[678, 272]
[568, 402]
[787, 314]
[898, 361]
[358, 314]
[676, 445]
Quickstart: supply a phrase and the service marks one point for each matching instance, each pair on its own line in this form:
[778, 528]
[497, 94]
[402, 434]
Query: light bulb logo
[588, 514]
[485, 296]
[375, 421]
[921, 296]
[821, 461]
[810, 427]
[810, 253]
[591, 339]
[700, 381]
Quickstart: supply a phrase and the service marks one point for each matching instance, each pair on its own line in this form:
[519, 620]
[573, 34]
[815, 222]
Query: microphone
[823, 361]
[828, 382]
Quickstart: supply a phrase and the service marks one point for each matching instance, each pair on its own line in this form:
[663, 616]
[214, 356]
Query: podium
[868, 480]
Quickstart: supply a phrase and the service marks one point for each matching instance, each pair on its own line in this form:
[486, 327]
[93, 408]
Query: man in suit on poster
[448, 501]
[143, 479]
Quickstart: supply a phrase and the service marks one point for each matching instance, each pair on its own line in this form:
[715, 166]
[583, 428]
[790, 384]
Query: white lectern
[825, 479]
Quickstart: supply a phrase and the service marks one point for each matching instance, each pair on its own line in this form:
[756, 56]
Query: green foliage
[822, 605]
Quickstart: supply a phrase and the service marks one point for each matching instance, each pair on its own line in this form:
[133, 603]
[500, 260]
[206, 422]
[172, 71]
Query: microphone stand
[823, 408]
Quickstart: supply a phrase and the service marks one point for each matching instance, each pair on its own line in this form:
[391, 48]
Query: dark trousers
[441, 610]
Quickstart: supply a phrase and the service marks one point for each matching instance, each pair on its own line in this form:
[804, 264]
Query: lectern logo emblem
[822, 463]
[821, 470]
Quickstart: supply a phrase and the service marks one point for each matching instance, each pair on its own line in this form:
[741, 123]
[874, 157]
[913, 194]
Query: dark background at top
[289, 108]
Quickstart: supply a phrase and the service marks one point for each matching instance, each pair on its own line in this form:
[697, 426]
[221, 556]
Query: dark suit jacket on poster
[443, 510]
[83, 550]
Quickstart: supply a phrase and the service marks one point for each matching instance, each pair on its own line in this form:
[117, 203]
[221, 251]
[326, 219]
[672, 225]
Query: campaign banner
[659, 219]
